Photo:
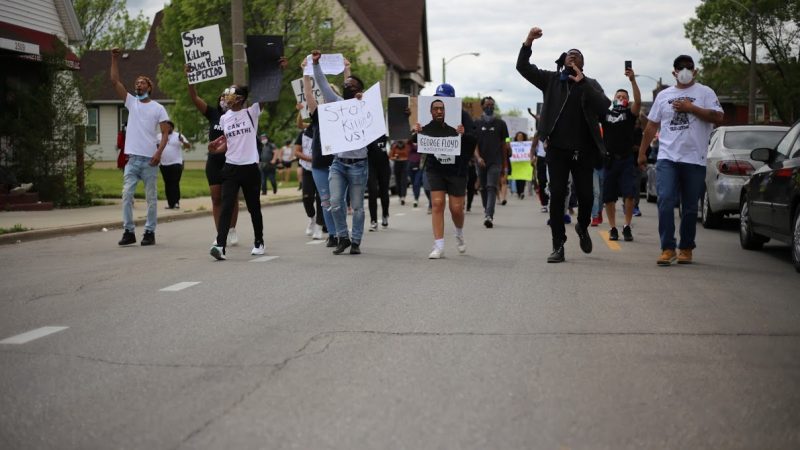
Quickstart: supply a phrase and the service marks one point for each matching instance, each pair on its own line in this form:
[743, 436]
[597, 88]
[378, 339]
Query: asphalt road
[494, 349]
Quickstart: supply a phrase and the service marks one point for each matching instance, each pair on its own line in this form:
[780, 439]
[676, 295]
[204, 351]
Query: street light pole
[444, 63]
[237, 36]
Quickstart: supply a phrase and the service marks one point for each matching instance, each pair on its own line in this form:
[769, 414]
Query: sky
[648, 32]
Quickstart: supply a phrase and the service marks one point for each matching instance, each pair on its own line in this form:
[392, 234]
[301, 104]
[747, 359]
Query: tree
[721, 33]
[304, 25]
[106, 24]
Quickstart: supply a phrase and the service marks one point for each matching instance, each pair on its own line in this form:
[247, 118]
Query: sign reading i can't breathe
[202, 49]
[351, 124]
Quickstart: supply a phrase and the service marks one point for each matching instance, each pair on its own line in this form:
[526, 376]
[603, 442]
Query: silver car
[729, 166]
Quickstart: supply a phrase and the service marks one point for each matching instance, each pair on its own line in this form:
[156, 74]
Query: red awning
[15, 38]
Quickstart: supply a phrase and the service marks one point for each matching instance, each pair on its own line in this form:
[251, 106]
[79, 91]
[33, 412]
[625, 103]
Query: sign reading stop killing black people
[202, 50]
[439, 118]
[263, 61]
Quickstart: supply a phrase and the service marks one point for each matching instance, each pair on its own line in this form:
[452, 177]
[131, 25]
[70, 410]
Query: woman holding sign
[447, 174]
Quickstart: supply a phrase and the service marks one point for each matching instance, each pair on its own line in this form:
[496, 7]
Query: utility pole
[751, 107]
[237, 37]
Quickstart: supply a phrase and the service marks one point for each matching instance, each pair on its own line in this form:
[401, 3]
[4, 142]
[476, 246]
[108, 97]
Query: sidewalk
[60, 222]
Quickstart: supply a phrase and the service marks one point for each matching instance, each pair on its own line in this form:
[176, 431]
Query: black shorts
[214, 165]
[619, 179]
[452, 184]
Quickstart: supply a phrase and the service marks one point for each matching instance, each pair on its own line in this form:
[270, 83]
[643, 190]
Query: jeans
[247, 177]
[353, 178]
[678, 182]
[597, 187]
[172, 183]
[139, 168]
[415, 174]
[324, 191]
[268, 173]
[560, 163]
[489, 177]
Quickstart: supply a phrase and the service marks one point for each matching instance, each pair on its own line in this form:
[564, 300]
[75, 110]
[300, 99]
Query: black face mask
[349, 92]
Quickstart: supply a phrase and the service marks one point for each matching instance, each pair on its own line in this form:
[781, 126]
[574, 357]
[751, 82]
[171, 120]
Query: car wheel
[709, 218]
[747, 238]
[796, 240]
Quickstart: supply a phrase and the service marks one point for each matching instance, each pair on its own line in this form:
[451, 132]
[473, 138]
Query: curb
[45, 233]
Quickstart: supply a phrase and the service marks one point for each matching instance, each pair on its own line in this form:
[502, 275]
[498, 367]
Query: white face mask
[685, 76]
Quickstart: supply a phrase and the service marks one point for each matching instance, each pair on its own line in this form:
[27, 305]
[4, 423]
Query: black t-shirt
[571, 131]
[376, 151]
[491, 140]
[618, 127]
[318, 160]
[459, 166]
[214, 128]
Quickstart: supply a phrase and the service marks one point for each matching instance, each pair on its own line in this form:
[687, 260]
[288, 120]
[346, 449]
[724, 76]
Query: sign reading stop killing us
[439, 117]
[351, 124]
[202, 49]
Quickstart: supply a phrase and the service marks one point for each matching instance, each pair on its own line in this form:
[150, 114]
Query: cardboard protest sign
[351, 124]
[521, 151]
[297, 87]
[331, 64]
[521, 170]
[202, 51]
[263, 64]
[398, 119]
[517, 124]
[439, 117]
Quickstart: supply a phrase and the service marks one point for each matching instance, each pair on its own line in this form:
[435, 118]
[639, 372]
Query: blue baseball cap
[445, 90]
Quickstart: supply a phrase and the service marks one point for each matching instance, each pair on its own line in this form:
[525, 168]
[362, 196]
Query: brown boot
[667, 257]
[684, 256]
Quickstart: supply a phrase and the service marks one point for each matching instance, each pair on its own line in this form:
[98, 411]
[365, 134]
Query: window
[786, 143]
[92, 125]
[760, 113]
[327, 24]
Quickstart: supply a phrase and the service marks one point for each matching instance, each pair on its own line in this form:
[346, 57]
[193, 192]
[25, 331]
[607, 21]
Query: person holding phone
[570, 127]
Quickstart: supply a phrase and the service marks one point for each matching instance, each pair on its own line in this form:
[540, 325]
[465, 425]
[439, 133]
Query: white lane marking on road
[265, 258]
[400, 214]
[179, 286]
[315, 242]
[32, 335]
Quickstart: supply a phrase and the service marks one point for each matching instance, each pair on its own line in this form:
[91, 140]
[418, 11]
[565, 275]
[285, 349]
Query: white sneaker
[317, 235]
[460, 244]
[217, 252]
[233, 237]
[436, 253]
[310, 227]
[257, 250]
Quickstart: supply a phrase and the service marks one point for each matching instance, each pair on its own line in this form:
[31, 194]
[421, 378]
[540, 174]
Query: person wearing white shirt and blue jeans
[686, 114]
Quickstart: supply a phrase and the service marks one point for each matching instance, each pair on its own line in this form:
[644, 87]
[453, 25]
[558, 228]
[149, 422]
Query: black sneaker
[558, 253]
[487, 222]
[355, 248]
[626, 233]
[613, 234]
[128, 238]
[342, 246]
[332, 242]
[585, 239]
[149, 238]
[385, 221]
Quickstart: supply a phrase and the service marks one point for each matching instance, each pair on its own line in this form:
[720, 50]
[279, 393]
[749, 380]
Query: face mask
[620, 103]
[142, 96]
[488, 111]
[348, 93]
[685, 76]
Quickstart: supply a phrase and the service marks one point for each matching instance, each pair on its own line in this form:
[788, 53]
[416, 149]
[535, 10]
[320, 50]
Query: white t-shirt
[240, 133]
[306, 145]
[683, 137]
[172, 152]
[143, 125]
[287, 153]
[540, 153]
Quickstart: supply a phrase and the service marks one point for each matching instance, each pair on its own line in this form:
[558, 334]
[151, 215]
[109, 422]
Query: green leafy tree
[304, 24]
[721, 32]
[106, 24]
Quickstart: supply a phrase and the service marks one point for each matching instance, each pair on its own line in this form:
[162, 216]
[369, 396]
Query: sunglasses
[684, 66]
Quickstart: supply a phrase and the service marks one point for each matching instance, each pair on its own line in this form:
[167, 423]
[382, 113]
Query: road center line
[611, 244]
[400, 214]
[265, 258]
[32, 335]
[180, 286]
[315, 242]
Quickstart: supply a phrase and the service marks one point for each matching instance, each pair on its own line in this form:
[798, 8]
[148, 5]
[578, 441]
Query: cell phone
[628, 65]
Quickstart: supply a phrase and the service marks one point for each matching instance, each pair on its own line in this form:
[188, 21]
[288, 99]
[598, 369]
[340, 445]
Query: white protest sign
[439, 117]
[202, 50]
[520, 151]
[517, 124]
[297, 87]
[351, 124]
[331, 64]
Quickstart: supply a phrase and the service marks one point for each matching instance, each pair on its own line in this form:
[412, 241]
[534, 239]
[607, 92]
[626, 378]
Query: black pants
[378, 185]
[561, 163]
[172, 183]
[401, 178]
[472, 177]
[541, 178]
[311, 200]
[248, 178]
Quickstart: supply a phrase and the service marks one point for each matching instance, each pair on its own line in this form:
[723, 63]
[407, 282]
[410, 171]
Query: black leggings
[472, 177]
[561, 163]
[311, 198]
[172, 183]
[541, 177]
[378, 185]
[249, 179]
[401, 178]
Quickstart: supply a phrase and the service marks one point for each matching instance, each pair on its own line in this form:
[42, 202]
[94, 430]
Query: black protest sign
[263, 61]
[398, 118]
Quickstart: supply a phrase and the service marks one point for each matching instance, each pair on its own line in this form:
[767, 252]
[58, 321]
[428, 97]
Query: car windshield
[746, 141]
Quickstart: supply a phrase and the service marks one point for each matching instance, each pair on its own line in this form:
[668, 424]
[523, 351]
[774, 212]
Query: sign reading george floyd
[263, 63]
[439, 117]
[351, 124]
[202, 49]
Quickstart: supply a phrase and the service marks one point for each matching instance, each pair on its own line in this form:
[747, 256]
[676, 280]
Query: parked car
[770, 201]
[728, 166]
